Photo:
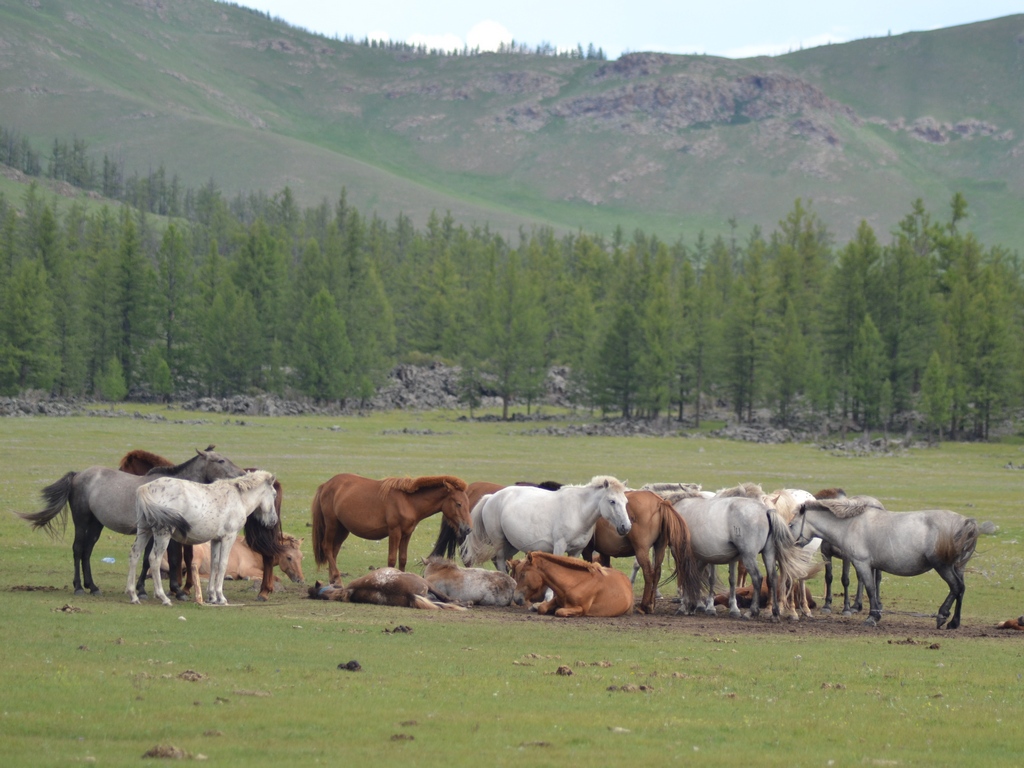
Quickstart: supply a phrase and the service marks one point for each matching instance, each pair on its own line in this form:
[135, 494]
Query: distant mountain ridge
[670, 144]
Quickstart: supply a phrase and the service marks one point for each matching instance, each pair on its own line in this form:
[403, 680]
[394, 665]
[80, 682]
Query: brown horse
[139, 462]
[245, 564]
[375, 509]
[580, 588]
[387, 586]
[655, 525]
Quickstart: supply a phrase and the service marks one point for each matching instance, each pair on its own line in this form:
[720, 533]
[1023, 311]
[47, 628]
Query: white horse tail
[957, 546]
[477, 547]
[795, 562]
[150, 512]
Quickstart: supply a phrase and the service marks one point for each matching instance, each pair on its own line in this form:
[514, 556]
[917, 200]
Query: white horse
[191, 514]
[901, 543]
[735, 525]
[526, 519]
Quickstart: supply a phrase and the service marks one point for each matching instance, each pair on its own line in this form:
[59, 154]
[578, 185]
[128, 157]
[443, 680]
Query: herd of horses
[568, 534]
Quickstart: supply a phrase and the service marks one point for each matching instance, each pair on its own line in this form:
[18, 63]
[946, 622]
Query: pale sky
[733, 28]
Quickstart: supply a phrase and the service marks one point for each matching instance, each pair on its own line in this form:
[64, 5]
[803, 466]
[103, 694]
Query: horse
[190, 513]
[736, 524]
[476, 586]
[448, 541]
[901, 543]
[654, 524]
[580, 588]
[245, 564]
[829, 551]
[140, 462]
[1014, 624]
[375, 509]
[387, 586]
[99, 496]
[524, 518]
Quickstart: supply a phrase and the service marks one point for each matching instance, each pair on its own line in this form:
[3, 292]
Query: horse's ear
[606, 483]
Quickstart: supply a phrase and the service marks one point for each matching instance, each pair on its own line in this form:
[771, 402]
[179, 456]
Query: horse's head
[216, 466]
[802, 531]
[530, 586]
[613, 503]
[290, 560]
[456, 508]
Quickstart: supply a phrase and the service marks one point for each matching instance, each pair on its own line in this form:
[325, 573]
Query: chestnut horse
[375, 509]
[580, 588]
[387, 586]
[139, 462]
[245, 564]
[655, 525]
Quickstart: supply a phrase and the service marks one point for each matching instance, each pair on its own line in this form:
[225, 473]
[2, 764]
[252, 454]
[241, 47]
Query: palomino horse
[654, 524]
[901, 543]
[100, 497]
[139, 462]
[245, 564]
[523, 519]
[580, 588]
[734, 525]
[192, 513]
[478, 586]
[387, 586]
[375, 509]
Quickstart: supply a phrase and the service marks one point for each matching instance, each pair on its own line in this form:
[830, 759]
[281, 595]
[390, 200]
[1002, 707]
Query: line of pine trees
[258, 295]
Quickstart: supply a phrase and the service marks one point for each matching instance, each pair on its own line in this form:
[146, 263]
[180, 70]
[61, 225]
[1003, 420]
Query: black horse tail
[56, 495]
[447, 543]
[264, 539]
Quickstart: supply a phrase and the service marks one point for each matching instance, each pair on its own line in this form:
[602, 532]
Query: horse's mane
[572, 563]
[785, 502]
[830, 493]
[147, 457]
[848, 507]
[172, 469]
[439, 562]
[743, 490]
[250, 480]
[413, 484]
[292, 541]
[614, 484]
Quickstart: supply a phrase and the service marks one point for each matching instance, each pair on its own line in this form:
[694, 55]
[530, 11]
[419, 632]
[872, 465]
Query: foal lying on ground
[387, 586]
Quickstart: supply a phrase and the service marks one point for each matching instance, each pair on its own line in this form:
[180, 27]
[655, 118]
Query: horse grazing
[191, 514]
[735, 524]
[654, 524]
[476, 586]
[524, 518]
[139, 462]
[99, 496]
[901, 543]
[375, 509]
[387, 586]
[580, 588]
[245, 564]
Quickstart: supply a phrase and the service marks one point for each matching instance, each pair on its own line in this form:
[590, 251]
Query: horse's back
[109, 495]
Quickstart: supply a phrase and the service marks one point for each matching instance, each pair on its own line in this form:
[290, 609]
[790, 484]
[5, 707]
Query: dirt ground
[898, 627]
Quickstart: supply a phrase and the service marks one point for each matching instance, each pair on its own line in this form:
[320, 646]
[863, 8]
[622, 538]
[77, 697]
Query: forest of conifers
[182, 292]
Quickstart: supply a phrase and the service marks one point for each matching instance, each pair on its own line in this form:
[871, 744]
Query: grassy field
[96, 680]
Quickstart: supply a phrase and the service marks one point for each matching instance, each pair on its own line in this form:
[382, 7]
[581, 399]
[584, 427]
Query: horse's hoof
[871, 622]
[826, 609]
[143, 596]
[847, 613]
[134, 601]
[261, 598]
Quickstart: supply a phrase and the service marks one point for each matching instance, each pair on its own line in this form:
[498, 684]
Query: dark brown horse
[139, 462]
[375, 509]
[655, 525]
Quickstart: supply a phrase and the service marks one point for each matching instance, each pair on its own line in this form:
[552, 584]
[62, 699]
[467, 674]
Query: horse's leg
[734, 609]
[335, 539]
[827, 602]
[403, 549]
[660, 545]
[188, 555]
[174, 558]
[709, 604]
[867, 576]
[267, 583]
[636, 570]
[86, 536]
[138, 547]
[219, 550]
[847, 611]
[160, 539]
[650, 580]
[955, 583]
[961, 588]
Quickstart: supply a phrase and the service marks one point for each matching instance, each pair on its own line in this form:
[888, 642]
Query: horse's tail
[319, 529]
[447, 542]
[477, 547]
[957, 546]
[688, 573]
[795, 563]
[56, 495]
[154, 515]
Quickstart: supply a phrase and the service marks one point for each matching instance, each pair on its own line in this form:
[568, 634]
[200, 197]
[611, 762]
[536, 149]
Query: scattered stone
[168, 751]
[401, 629]
[191, 676]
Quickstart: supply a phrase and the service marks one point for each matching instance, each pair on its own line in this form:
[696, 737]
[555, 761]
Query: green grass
[479, 688]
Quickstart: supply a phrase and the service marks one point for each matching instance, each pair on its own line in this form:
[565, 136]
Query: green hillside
[671, 144]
